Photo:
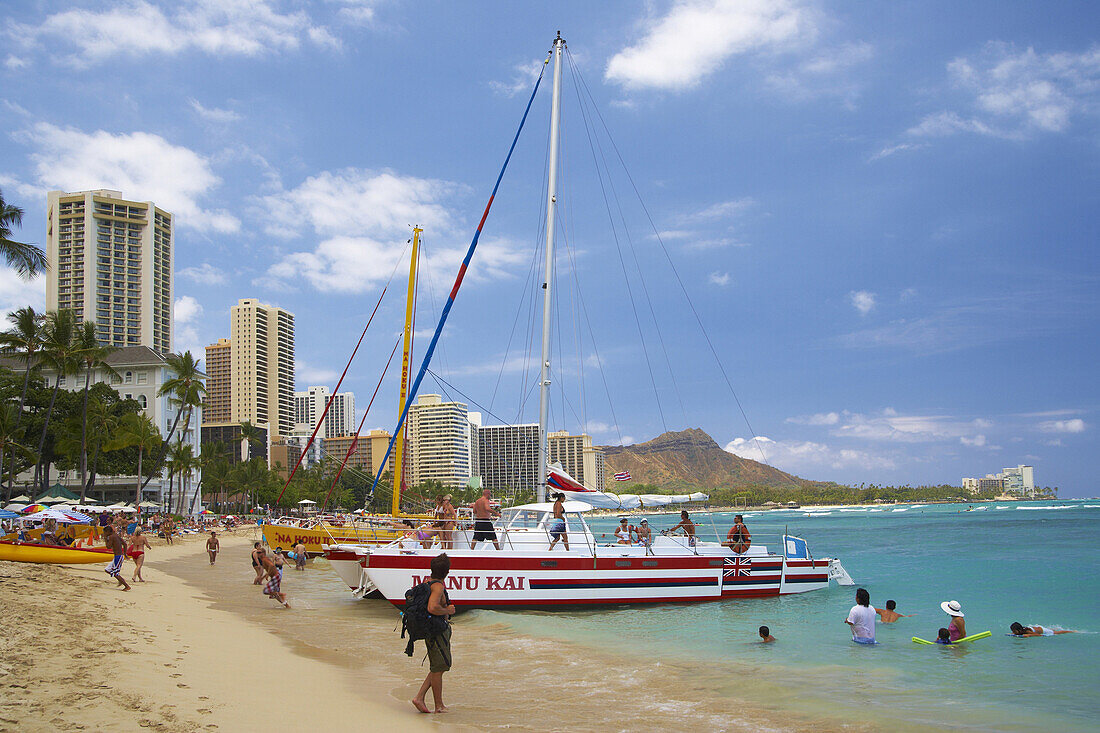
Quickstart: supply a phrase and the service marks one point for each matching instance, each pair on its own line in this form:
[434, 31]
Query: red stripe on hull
[511, 564]
[793, 578]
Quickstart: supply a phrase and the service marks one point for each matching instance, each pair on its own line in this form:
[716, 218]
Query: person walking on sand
[212, 547]
[558, 529]
[957, 627]
[257, 554]
[139, 544]
[862, 619]
[483, 521]
[439, 646]
[889, 615]
[273, 587]
[118, 549]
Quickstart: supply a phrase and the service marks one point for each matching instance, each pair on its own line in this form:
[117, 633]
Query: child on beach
[766, 635]
[944, 637]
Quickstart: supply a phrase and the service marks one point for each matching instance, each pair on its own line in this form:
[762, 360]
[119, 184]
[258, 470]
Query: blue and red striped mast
[462, 270]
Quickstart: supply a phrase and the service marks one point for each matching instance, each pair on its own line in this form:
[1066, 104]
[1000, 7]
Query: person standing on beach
[957, 627]
[273, 587]
[118, 549]
[139, 544]
[862, 619]
[483, 520]
[212, 547]
[257, 555]
[439, 646]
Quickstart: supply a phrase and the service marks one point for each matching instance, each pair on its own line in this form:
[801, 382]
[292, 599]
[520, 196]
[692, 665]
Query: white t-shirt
[862, 619]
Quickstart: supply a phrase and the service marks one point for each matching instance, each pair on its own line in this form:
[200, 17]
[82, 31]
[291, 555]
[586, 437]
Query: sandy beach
[78, 653]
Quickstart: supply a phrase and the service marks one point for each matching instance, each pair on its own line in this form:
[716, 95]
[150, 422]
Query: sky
[858, 239]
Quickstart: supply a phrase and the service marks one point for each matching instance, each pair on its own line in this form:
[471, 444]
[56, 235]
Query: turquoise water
[1004, 562]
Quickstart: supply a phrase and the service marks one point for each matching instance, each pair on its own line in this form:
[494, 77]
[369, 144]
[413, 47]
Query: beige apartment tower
[578, 457]
[262, 366]
[439, 442]
[218, 406]
[110, 261]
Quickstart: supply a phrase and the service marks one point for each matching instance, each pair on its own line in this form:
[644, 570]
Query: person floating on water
[766, 635]
[738, 538]
[1018, 629]
[957, 627]
[862, 618]
[943, 636]
[558, 530]
[889, 615]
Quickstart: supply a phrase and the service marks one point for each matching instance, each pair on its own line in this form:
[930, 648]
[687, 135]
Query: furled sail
[558, 480]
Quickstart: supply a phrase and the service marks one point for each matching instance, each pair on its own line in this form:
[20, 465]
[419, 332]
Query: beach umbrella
[53, 500]
[121, 508]
[206, 511]
[34, 508]
[23, 499]
[149, 505]
[306, 501]
[67, 517]
[5, 514]
[14, 507]
[92, 508]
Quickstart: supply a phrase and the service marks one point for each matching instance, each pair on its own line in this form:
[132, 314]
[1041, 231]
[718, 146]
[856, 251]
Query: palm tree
[182, 457]
[215, 471]
[91, 355]
[250, 477]
[27, 259]
[135, 429]
[23, 340]
[59, 354]
[249, 435]
[10, 436]
[187, 389]
[102, 423]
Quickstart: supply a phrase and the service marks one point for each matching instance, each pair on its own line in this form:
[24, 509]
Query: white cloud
[185, 334]
[314, 374]
[16, 293]
[214, 114]
[138, 28]
[862, 301]
[523, 79]
[186, 309]
[695, 38]
[1076, 425]
[139, 164]
[977, 441]
[720, 278]
[820, 418]
[14, 62]
[802, 456]
[892, 149]
[204, 274]
[889, 425]
[725, 209]
[1012, 93]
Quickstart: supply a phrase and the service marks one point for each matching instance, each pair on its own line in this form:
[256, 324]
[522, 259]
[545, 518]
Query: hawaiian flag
[737, 567]
[622, 476]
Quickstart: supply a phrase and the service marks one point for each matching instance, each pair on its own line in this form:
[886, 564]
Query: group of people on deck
[738, 539]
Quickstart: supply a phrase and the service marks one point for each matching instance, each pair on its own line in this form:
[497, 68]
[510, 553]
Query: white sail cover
[557, 479]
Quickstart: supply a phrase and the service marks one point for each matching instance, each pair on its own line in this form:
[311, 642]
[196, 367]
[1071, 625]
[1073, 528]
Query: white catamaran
[525, 572]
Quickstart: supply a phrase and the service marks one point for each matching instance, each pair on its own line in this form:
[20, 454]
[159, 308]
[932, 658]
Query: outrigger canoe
[20, 552]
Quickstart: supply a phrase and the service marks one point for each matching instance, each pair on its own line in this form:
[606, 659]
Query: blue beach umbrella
[5, 514]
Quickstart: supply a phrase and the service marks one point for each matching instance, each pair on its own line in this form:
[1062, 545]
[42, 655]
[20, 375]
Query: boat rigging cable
[672, 266]
[458, 281]
[355, 440]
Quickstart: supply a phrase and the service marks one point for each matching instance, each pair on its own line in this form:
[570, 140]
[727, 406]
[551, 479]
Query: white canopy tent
[558, 479]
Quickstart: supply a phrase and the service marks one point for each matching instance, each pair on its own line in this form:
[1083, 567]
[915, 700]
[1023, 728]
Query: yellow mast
[399, 444]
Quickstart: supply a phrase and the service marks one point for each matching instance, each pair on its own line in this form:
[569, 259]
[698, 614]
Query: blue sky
[886, 215]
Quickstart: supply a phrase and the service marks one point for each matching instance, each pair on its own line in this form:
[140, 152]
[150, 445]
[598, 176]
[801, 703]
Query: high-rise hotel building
[310, 405]
[218, 406]
[439, 442]
[262, 366]
[110, 261]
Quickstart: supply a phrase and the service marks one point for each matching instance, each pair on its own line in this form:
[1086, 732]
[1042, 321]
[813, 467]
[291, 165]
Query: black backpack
[415, 619]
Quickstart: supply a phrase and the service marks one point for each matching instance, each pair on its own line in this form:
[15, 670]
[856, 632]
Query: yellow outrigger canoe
[21, 552]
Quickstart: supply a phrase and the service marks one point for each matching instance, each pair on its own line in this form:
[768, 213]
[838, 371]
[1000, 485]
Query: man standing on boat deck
[483, 521]
[688, 528]
[558, 530]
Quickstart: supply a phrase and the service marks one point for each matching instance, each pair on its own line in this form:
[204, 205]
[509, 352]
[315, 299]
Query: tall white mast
[551, 205]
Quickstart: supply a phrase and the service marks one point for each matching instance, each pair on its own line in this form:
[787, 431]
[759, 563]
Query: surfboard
[972, 637]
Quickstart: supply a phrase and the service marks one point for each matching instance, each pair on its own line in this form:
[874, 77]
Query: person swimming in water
[1018, 629]
[944, 636]
[889, 615]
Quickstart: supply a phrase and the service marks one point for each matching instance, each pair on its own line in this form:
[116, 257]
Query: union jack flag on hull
[737, 567]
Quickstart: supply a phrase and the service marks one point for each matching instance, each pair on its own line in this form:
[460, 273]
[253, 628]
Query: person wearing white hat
[957, 628]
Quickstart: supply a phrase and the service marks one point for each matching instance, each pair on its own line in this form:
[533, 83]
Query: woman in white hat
[957, 628]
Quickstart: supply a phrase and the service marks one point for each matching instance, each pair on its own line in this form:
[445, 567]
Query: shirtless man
[558, 530]
[118, 549]
[257, 554]
[483, 521]
[738, 539]
[889, 615]
[642, 531]
[212, 547]
[300, 556]
[274, 570]
[688, 528]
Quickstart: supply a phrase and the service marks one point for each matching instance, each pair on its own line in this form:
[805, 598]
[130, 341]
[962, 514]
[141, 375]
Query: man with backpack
[427, 613]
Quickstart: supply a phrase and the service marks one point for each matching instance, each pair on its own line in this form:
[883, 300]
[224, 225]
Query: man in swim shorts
[273, 587]
[299, 556]
[212, 547]
[888, 614]
[118, 549]
[257, 554]
[483, 521]
[557, 525]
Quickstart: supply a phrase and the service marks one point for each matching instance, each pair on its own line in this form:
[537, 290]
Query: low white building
[140, 373]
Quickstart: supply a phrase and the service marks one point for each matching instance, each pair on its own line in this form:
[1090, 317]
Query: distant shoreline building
[578, 457]
[110, 262]
[310, 405]
[1018, 481]
[439, 442]
[508, 456]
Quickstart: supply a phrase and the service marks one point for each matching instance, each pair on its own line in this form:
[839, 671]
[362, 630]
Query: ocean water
[1029, 562]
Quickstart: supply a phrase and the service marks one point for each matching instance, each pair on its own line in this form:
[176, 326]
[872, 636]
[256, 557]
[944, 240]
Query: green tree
[185, 461]
[59, 353]
[136, 430]
[91, 355]
[23, 340]
[251, 478]
[27, 259]
[215, 474]
[10, 438]
[186, 388]
[250, 435]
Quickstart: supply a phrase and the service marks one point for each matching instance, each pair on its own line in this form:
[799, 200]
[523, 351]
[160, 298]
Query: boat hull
[315, 538]
[16, 552]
